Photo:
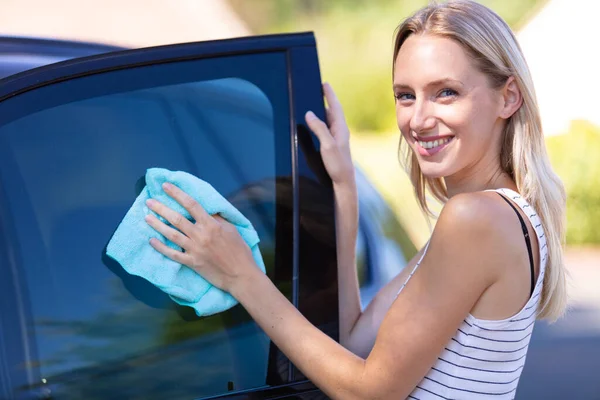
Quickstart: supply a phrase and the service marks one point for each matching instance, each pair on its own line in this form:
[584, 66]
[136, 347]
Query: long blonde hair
[495, 51]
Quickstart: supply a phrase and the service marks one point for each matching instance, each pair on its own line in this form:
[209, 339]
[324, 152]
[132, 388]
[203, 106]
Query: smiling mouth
[435, 143]
[428, 148]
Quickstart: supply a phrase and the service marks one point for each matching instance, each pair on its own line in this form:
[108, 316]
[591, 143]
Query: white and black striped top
[485, 358]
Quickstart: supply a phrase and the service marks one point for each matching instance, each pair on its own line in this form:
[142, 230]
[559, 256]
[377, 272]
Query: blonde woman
[456, 323]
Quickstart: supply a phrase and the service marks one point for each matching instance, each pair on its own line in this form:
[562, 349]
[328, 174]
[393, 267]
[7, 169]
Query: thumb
[319, 128]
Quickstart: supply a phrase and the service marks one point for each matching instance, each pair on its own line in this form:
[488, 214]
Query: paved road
[564, 358]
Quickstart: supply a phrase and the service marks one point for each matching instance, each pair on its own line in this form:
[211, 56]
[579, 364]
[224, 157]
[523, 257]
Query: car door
[76, 139]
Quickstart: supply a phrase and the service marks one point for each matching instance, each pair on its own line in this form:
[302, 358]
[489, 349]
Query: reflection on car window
[72, 171]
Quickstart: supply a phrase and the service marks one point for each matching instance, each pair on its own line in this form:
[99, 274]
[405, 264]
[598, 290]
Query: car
[80, 123]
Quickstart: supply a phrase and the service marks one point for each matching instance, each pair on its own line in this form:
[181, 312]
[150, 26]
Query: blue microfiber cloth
[130, 245]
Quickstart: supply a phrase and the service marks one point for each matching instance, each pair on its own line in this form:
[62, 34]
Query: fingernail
[150, 202]
[167, 186]
[310, 115]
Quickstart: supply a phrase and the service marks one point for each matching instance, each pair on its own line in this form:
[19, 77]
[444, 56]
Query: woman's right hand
[334, 139]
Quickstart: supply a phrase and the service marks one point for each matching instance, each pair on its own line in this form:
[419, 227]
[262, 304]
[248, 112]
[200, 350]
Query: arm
[350, 309]
[335, 152]
[442, 292]
[357, 328]
[420, 322]
[365, 329]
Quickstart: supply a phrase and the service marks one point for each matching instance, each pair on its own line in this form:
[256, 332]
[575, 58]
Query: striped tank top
[485, 358]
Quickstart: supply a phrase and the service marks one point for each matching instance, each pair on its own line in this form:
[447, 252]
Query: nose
[422, 119]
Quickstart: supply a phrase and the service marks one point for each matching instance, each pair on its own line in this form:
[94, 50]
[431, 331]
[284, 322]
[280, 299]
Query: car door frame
[303, 88]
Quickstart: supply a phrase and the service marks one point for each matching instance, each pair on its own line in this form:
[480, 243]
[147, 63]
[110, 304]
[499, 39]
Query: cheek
[403, 121]
[468, 121]
[480, 129]
[458, 118]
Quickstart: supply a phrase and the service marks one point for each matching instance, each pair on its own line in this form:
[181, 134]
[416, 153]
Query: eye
[448, 93]
[404, 96]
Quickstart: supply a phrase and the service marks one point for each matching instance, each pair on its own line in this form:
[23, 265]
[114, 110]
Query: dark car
[77, 135]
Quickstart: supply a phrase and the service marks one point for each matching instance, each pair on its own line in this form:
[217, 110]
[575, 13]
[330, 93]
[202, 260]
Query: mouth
[431, 147]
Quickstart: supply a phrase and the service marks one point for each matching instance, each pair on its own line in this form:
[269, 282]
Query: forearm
[346, 212]
[328, 365]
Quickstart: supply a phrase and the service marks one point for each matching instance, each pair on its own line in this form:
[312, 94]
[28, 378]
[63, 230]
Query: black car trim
[74, 68]
[281, 391]
[296, 197]
[317, 258]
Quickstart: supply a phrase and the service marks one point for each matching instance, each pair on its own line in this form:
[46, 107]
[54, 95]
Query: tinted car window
[72, 160]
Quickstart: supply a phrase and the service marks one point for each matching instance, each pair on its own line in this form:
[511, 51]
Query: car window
[72, 160]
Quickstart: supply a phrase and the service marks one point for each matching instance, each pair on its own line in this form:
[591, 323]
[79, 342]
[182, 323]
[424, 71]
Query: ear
[511, 95]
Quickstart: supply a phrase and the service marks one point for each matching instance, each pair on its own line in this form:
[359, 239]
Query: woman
[456, 323]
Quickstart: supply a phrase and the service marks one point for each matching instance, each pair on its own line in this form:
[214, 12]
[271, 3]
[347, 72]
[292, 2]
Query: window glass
[71, 168]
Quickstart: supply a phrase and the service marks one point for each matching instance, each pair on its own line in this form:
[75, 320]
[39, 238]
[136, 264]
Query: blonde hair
[495, 51]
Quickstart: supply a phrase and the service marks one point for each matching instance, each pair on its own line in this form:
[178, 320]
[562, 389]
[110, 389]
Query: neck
[491, 176]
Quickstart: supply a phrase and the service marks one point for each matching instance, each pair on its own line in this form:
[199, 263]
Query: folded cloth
[130, 245]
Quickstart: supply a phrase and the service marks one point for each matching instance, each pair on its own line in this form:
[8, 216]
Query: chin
[434, 171]
[434, 175]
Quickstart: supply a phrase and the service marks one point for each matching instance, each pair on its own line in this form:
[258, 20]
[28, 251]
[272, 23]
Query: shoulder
[476, 212]
[478, 226]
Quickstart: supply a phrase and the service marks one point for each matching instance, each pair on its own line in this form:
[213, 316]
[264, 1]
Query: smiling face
[446, 109]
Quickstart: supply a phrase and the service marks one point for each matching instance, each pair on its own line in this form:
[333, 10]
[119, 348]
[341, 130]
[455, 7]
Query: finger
[186, 201]
[221, 220]
[172, 234]
[335, 112]
[319, 128]
[332, 101]
[176, 219]
[178, 256]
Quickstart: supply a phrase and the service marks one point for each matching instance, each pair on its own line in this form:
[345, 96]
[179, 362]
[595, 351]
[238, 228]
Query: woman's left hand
[212, 246]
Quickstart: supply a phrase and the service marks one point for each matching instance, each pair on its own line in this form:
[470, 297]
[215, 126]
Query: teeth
[435, 143]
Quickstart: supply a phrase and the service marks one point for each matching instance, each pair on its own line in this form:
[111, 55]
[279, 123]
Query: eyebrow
[438, 82]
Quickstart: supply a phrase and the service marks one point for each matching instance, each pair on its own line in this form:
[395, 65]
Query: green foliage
[355, 39]
[575, 158]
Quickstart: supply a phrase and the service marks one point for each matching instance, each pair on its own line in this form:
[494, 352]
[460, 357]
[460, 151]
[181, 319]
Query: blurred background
[354, 39]
[355, 47]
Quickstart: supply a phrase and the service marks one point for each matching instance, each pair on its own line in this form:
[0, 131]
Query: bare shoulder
[476, 212]
[480, 226]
